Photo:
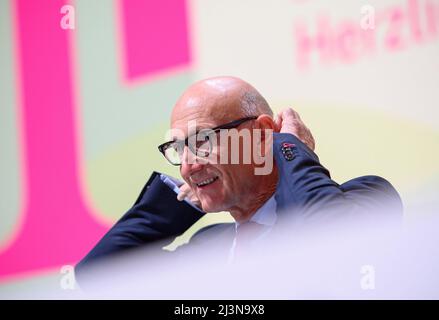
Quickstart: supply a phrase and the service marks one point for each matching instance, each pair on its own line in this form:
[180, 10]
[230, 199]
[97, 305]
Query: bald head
[220, 99]
[226, 185]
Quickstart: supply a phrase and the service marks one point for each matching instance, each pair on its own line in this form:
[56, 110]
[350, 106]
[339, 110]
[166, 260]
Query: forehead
[194, 116]
[203, 112]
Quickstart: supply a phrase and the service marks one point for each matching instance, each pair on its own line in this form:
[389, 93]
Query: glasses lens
[200, 145]
[203, 143]
[172, 153]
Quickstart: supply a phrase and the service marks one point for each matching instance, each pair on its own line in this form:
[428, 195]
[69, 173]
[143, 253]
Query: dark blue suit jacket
[305, 192]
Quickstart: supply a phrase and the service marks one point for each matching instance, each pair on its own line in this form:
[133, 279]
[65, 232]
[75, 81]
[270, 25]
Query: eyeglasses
[200, 143]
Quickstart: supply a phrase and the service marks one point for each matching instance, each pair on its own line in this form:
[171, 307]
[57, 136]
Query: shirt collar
[265, 215]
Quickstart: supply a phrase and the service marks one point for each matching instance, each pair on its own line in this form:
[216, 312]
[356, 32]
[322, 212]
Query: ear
[264, 122]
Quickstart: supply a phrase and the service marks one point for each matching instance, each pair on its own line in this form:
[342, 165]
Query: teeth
[206, 182]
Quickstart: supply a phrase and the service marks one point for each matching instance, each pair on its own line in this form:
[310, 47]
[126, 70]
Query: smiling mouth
[206, 182]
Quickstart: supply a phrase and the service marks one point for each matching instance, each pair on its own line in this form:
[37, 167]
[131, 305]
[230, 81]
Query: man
[282, 179]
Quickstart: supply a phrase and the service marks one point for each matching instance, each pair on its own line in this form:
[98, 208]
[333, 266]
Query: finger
[277, 122]
[289, 113]
[289, 117]
[294, 114]
[276, 119]
[312, 142]
[182, 194]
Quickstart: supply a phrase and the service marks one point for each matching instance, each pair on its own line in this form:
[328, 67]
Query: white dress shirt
[265, 216]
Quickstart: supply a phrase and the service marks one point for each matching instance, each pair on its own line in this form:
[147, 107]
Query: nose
[189, 165]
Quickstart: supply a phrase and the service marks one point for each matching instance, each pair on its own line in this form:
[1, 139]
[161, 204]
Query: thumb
[182, 194]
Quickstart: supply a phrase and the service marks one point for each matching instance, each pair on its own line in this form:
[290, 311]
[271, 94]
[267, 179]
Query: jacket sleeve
[309, 189]
[156, 215]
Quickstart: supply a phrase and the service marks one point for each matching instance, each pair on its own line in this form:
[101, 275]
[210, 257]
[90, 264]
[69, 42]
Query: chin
[211, 206]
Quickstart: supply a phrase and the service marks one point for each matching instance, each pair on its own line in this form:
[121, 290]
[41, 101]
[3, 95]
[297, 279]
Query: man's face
[218, 186]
